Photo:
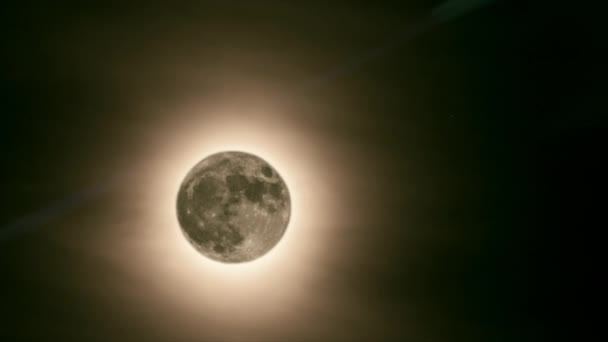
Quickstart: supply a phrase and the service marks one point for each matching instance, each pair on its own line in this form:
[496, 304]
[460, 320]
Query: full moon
[233, 207]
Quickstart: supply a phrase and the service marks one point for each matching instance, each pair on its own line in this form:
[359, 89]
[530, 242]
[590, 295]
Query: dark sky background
[469, 144]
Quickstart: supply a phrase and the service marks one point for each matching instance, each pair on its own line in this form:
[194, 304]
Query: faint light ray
[456, 8]
[443, 13]
[54, 211]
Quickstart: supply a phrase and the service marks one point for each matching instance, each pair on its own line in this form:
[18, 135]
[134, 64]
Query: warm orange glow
[279, 278]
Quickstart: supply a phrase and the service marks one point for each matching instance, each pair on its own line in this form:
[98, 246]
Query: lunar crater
[233, 207]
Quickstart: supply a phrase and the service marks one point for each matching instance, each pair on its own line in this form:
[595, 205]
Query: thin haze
[443, 13]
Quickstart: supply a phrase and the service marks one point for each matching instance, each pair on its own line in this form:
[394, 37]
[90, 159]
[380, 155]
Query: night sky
[445, 152]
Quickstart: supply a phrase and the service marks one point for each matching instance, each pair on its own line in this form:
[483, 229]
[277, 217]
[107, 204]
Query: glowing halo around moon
[276, 283]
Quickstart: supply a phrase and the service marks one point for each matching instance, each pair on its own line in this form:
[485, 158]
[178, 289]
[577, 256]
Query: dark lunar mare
[233, 207]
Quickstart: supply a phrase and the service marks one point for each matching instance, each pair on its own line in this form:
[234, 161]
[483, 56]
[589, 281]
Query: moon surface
[233, 207]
